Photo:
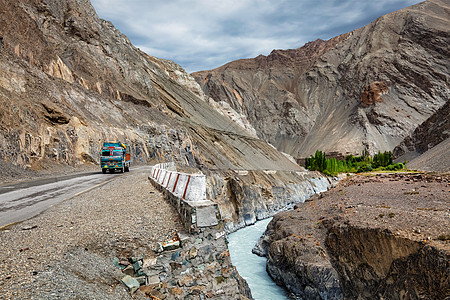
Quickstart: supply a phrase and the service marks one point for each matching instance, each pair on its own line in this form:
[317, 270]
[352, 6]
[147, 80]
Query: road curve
[23, 200]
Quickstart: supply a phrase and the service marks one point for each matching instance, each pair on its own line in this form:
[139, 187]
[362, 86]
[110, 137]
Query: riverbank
[375, 236]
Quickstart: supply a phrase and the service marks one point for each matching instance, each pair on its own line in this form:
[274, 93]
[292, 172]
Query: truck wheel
[104, 171]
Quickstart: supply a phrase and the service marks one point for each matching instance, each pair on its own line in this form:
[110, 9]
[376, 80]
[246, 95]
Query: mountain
[427, 147]
[366, 89]
[70, 81]
[437, 159]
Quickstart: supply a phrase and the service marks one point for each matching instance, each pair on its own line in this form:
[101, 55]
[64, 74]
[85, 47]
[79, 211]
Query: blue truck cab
[115, 156]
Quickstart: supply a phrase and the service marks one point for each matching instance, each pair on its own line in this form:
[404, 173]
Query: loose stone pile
[199, 268]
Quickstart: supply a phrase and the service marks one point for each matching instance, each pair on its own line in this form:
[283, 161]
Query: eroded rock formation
[247, 196]
[353, 243]
[372, 93]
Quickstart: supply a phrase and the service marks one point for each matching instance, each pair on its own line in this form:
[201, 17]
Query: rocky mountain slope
[420, 145]
[437, 159]
[369, 88]
[70, 80]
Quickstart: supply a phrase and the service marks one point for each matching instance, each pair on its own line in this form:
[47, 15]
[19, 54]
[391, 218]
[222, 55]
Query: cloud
[204, 34]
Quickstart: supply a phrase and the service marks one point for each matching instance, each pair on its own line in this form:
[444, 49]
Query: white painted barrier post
[190, 189]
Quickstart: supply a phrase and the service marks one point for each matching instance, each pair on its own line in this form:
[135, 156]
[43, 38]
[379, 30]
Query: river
[252, 267]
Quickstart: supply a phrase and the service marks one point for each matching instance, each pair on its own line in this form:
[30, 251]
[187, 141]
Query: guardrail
[187, 192]
[190, 187]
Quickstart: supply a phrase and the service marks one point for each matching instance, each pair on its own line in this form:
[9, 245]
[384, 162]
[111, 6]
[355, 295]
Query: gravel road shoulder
[67, 251]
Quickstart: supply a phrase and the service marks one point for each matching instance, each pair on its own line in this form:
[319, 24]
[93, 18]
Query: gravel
[67, 251]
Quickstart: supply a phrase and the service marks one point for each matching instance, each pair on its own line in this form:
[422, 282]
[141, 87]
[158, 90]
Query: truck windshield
[117, 153]
[105, 153]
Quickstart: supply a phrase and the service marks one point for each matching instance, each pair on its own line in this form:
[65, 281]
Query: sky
[205, 34]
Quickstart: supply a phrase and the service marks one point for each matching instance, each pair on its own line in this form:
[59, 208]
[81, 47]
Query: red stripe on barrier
[176, 181]
[157, 174]
[168, 180]
[153, 175]
[185, 189]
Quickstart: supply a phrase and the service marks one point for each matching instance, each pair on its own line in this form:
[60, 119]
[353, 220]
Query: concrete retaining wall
[187, 192]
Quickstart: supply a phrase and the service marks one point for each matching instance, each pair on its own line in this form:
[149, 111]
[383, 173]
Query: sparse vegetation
[444, 237]
[411, 193]
[352, 164]
[382, 206]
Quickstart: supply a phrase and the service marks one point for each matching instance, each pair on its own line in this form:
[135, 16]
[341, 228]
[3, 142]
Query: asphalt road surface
[23, 200]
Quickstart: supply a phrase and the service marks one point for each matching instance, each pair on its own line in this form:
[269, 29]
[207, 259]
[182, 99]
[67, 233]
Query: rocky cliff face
[70, 80]
[369, 88]
[433, 131]
[352, 243]
[245, 197]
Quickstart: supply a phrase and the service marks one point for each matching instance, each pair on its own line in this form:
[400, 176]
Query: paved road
[23, 200]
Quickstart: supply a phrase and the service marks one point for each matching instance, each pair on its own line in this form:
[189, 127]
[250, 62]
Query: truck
[115, 156]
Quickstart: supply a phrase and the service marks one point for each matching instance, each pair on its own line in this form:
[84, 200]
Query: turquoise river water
[252, 267]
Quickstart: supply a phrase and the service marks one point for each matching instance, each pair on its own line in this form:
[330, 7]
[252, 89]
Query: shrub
[394, 167]
[382, 159]
[353, 164]
[365, 168]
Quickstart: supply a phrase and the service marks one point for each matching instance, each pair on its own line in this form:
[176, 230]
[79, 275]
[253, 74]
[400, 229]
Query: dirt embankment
[380, 236]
